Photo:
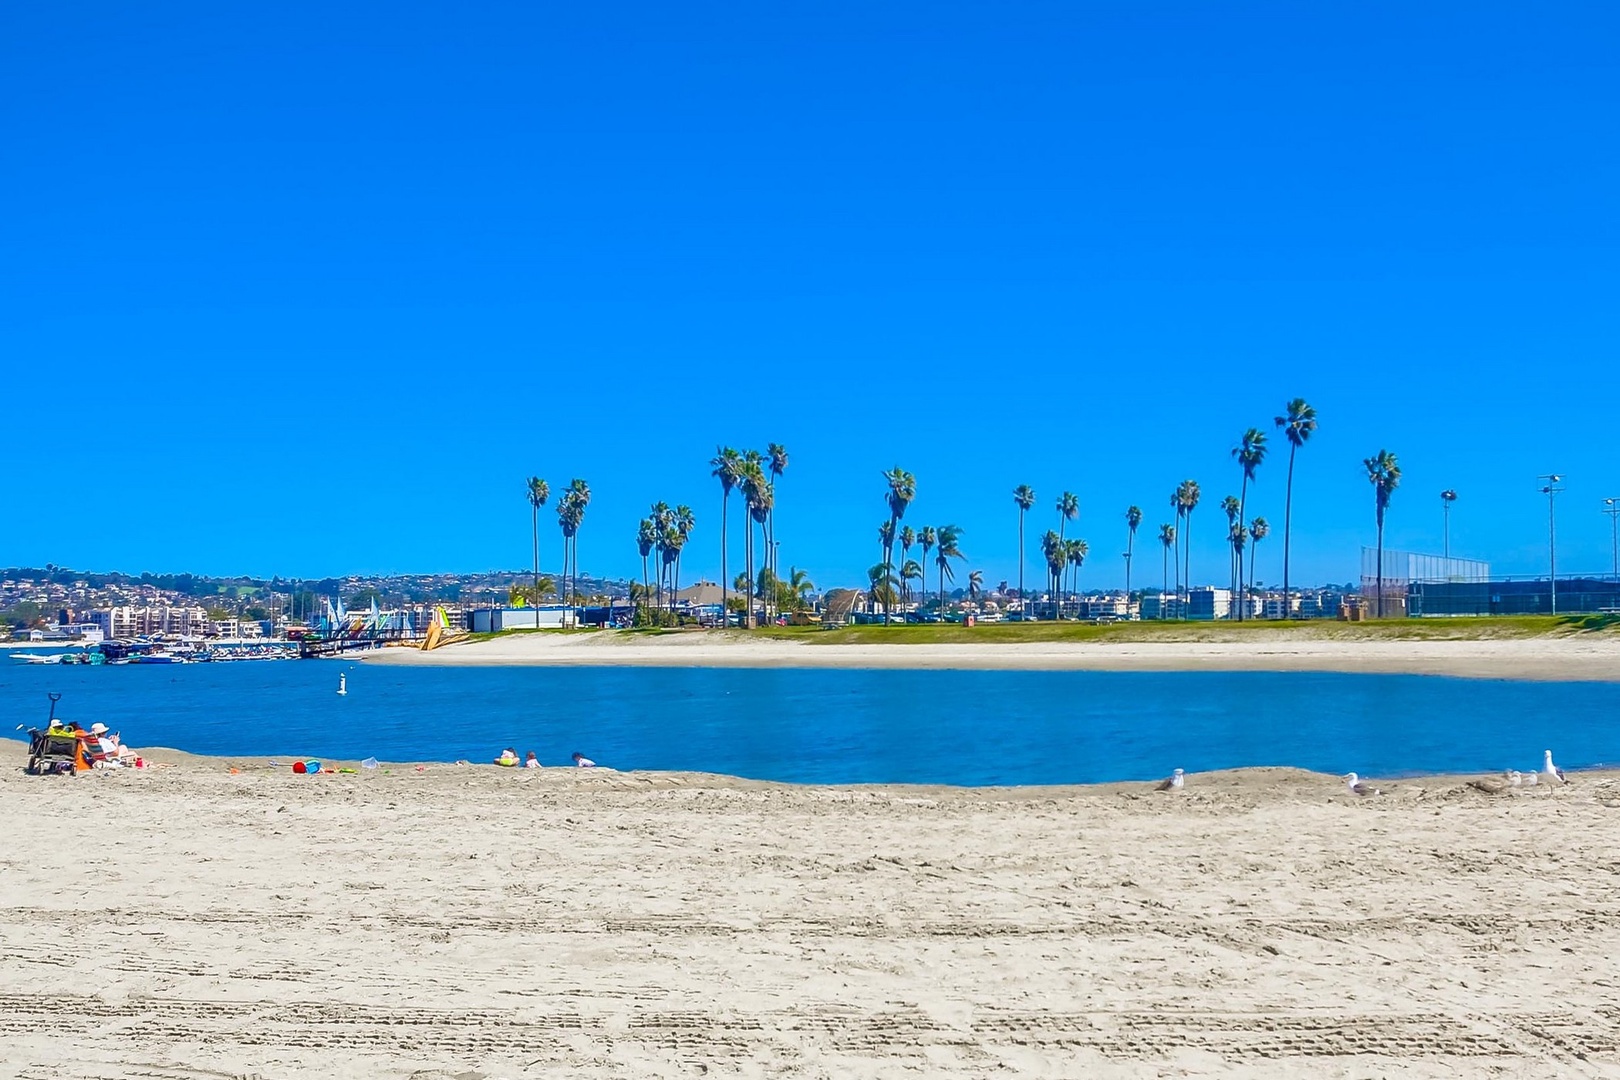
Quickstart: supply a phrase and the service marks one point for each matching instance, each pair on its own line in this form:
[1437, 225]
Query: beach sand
[467, 922]
[1569, 657]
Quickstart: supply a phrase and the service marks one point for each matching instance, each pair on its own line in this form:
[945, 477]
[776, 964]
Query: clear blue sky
[311, 288]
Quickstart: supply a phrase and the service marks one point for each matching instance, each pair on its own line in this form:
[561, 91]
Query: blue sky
[311, 288]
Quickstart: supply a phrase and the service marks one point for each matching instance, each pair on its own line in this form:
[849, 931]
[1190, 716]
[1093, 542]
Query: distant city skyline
[314, 294]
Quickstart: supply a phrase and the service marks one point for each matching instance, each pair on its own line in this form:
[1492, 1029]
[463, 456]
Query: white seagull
[1514, 777]
[1553, 772]
[1172, 782]
[1530, 779]
[1359, 787]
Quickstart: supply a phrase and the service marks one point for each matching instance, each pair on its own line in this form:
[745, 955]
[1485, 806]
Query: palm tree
[1385, 473]
[1167, 537]
[902, 489]
[885, 545]
[539, 492]
[1076, 551]
[751, 480]
[1298, 421]
[1068, 508]
[1133, 518]
[1250, 452]
[1024, 497]
[1237, 537]
[727, 465]
[800, 585]
[908, 539]
[1189, 497]
[1056, 553]
[975, 584]
[778, 457]
[1259, 529]
[1234, 515]
[880, 579]
[910, 571]
[760, 511]
[925, 540]
[683, 522]
[1181, 511]
[949, 538]
[646, 539]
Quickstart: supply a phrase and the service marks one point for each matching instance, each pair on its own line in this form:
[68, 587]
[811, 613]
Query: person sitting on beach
[531, 762]
[582, 761]
[508, 757]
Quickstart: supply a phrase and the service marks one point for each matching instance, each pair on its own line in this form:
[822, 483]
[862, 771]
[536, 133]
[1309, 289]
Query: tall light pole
[1551, 490]
[1612, 508]
[1447, 497]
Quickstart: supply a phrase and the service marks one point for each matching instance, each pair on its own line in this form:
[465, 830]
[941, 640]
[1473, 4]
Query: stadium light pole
[1612, 508]
[1447, 497]
[1551, 490]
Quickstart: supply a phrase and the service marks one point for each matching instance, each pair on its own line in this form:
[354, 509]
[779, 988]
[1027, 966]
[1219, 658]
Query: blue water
[953, 727]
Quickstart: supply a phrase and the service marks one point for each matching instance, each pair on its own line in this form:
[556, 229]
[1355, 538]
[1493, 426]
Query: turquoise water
[952, 727]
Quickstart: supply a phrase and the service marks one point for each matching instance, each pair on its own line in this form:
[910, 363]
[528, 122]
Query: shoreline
[1594, 658]
[1250, 778]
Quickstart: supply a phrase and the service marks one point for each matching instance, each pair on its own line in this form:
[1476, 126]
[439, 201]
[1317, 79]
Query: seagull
[1514, 777]
[1530, 779]
[1550, 769]
[1357, 787]
[1172, 782]
[1495, 785]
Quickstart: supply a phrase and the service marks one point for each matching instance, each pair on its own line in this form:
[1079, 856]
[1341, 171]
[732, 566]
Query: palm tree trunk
[748, 619]
[1177, 561]
[1164, 578]
[534, 525]
[1130, 544]
[1253, 545]
[1188, 575]
[1021, 605]
[1380, 565]
[725, 618]
[1288, 513]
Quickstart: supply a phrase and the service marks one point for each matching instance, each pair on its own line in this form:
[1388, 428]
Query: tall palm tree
[880, 584]
[975, 584]
[646, 539]
[1068, 508]
[908, 539]
[1385, 474]
[925, 540]
[727, 466]
[1133, 518]
[1190, 495]
[1167, 537]
[1075, 551]
[683, 522]
[1249, 452]
[902, 489]
[760, 510]
[1056, 553]
[778, 457]
[1237, 537]
[1180, 508]
[1259, 529]
[752, 483]
[579, 493]
[885, 545]
[1024, 497]
[1234, 515]
[949, 540]
[659, 520]
[1298, 422]
[539, 491]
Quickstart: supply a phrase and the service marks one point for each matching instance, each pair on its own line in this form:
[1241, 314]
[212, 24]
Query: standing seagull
[1357, 787]
[1172, 782]
[1553, 772]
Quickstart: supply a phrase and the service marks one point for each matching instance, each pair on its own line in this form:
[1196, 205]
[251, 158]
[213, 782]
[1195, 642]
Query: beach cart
[53, 750]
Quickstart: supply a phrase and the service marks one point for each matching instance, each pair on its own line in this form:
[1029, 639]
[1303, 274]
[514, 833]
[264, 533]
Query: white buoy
[343, 683]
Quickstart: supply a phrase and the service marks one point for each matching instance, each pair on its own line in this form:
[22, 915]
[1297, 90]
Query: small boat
[30, 658]
[343, 683]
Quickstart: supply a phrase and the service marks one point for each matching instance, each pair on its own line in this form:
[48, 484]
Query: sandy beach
[1581, 657]
[466, 922]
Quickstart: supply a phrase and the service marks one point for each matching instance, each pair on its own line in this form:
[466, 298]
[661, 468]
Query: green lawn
[1458, 629]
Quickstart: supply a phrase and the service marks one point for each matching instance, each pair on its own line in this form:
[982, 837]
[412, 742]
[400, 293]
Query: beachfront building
[1159, 606]
[547, 617]
[114, 622]
[1208, 602]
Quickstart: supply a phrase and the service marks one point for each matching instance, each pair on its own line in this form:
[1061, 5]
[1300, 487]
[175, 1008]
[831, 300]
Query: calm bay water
[955, 727]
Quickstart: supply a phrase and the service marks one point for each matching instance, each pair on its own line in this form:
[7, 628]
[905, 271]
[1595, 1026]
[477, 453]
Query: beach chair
[53, 751]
